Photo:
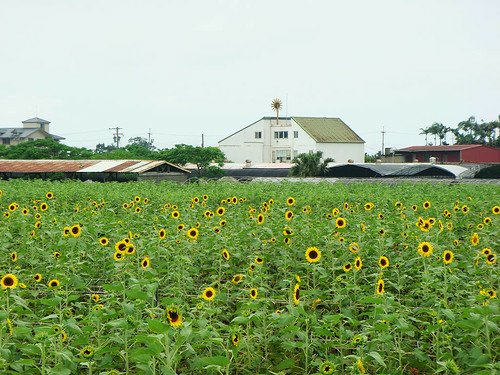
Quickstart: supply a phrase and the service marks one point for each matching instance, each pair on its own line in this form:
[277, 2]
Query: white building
[270, 141]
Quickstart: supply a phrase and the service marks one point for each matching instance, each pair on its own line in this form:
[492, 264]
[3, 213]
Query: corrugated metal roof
[437, 148]
[398, 170]
[83, 166]
[36, 120]
[328, 130]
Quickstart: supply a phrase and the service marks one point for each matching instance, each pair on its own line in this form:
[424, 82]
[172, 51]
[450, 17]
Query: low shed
[96, 170]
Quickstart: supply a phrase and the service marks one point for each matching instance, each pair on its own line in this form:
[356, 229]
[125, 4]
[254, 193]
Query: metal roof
[36, 120]
[84, 166]
[399, 170]
[437, 148]
[328, 130]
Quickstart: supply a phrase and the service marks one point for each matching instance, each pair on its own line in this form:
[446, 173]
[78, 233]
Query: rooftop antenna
[276, 106]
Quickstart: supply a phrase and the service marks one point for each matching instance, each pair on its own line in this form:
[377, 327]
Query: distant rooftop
[36, 120]
[438, 148]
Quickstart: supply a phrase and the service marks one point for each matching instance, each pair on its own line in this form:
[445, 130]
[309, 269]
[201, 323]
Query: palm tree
[426, 132]
[310, 165]
[276, 106]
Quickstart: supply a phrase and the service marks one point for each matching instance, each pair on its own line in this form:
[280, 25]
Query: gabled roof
[24, 133]
[437, 148]
[321, 129]
[328, 130]
[36, 120]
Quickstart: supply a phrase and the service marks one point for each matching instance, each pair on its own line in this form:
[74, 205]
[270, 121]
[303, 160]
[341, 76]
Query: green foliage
[466, 132]
[310, 165]
[203, 157]
[112, 315]
[44, 149]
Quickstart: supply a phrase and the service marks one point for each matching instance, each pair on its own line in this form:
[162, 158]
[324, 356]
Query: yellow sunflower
[380, 286]
[296, 294]
[9, 281]
[448, 257]
[340, 222]
[313, 254]
[425, 249]
[174, 317]
[383, 262]
[208, 294]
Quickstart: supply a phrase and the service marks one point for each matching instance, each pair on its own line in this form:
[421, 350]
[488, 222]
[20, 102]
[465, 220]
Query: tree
[310, 165]
[426, 132]
[45, 149]
[203, 157]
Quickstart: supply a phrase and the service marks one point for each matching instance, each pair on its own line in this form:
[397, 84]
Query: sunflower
[137, 199]
[383, 262]
[313, 254]
[359, 365]
[237, 279]
[381, 231]
[368, 206]
[474, 239]
[358, 263]
[380, 286]
[146, 262]
[425, 249]
[414, 207]
[491, 259]
[25, 211]
[296, 294]
[234, 200]
[56, 254]
[104, 241]
[225, 254]
[6, 215]
[13, 256]
[63, 335]
[380, 216]
[54, 283]
[9, 281]
[496, 210]
[426, 205]
[220, 211]
[235, 338]
[119, 256]
[354, 248]
[260, 219]
[487, 220]
[175, 214]
[181, 227]
[49, 195]
[465, 209]
[340, 222]
[76, 230]
[486, 251]
[327, 368]
[146, 201]
[254, 293]
[287, 240]
[174, 317]
[121, 246]
[347, 267]
[125, 206]
[259, 260]
[335, 211]
[37, 277]
[193, 233]
[87, 351]
[208, 294]
[95, 297]
[138, 209]
[44, 207]
[288, 215]
[290, 201]
[448, 257]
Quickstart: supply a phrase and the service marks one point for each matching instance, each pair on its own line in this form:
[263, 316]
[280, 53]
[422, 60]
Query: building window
[296, 134]
[282, 155]
[6, 141]
[281, 135]
[258, 135]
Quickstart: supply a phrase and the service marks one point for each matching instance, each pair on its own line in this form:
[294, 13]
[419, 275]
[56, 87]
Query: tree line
[466, 132]
[137, 149]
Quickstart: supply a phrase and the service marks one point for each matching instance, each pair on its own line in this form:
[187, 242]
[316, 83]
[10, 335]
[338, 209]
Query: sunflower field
[258, 278]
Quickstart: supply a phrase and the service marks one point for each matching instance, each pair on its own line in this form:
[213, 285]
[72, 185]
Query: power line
[117, 136]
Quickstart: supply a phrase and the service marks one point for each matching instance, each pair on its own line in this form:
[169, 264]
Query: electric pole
[117, 136]
[383, 134]
[150, 141]
[202, 140]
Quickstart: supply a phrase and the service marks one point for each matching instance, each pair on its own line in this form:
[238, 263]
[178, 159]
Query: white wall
[243, 145]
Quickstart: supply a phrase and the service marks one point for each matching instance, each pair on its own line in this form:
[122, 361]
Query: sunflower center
[313, 254]
[8, 281]
[209, 293]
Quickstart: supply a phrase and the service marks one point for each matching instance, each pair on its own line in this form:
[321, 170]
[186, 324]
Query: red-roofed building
[452, 154]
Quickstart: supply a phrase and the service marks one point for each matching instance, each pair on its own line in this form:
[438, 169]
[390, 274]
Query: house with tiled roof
[279, 140]
[32, 129]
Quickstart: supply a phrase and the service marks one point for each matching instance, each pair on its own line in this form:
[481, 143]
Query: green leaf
[157, 326]
[377, 358]
[214, 361]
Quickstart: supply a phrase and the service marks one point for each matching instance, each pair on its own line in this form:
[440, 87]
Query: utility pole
[150, 141]
[202, 140]
[117, 136]
[383, 134]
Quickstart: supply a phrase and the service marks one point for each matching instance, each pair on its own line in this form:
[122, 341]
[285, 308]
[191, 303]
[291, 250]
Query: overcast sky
[183, 68]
